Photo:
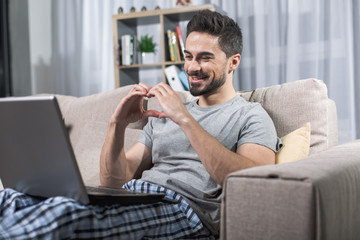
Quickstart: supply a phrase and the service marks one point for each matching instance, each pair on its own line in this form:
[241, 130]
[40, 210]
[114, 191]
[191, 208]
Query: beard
[212, 86]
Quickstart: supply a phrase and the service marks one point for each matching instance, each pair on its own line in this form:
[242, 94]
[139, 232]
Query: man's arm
[217, 159]
[116, 166]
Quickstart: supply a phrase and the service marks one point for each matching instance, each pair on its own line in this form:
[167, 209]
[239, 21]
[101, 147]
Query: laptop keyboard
[106, 190]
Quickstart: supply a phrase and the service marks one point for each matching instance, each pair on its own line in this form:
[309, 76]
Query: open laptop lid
[36, 156]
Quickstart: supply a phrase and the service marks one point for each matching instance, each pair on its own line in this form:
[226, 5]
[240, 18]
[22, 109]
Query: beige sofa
[313, 198]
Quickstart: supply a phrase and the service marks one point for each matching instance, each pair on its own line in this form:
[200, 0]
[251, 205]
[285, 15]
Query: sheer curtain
[284, 40]
[82, 44]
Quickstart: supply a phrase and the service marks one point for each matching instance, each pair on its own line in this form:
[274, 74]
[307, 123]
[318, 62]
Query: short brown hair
[216, 24]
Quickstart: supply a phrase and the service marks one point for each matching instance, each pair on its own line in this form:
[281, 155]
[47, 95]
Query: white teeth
[197, 78]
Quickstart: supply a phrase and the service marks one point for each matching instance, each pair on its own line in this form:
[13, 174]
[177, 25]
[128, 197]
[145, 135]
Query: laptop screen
[36, 154]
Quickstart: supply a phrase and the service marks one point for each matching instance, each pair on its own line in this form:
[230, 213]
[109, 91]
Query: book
[125, 43]
[172, 76]
[171, 46]
[180, 41]
[123, 52]
[127, 47]
[175, 44]
[118, 53]
[131, 49]
[135, 51]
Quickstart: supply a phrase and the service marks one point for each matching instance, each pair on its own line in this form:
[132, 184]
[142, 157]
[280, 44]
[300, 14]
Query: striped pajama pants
[25, 217]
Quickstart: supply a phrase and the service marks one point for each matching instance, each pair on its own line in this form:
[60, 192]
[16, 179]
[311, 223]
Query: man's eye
[187, 57]
[206, 58]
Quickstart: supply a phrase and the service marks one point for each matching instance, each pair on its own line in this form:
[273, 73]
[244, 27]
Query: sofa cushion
[295, 145]
[295, 103]
[88, 149]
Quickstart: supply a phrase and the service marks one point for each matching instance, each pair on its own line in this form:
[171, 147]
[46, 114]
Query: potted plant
[147, 49]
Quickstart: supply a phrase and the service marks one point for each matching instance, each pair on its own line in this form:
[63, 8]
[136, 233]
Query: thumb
[152, 113]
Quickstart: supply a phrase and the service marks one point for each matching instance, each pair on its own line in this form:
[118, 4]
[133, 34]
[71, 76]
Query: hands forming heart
[131, 108]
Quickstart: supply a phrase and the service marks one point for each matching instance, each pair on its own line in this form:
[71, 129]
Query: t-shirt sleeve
[259, 128]
[146, 136]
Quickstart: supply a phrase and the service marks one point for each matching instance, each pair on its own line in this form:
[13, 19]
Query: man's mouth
[197, 78]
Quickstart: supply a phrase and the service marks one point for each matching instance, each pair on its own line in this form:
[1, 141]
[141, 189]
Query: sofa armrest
[314, 198]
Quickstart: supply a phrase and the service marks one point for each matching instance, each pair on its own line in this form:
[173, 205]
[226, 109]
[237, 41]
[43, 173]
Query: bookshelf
[159, 21]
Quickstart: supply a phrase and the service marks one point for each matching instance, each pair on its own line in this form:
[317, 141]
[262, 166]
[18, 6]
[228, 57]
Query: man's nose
[193, 66]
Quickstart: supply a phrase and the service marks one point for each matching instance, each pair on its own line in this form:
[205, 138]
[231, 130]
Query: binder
[172, 76]
[184, 80]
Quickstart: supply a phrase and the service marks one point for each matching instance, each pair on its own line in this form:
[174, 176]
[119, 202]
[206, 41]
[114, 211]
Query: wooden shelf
[140, 65]
[151, 65]
[179, 10]
[164, 19]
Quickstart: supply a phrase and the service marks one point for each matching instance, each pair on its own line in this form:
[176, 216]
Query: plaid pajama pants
[25, 217]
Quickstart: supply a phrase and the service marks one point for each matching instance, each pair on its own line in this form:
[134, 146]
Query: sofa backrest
[290, 105]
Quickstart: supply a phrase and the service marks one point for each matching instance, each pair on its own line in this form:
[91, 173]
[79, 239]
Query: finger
[162, 88]
[150, 94]
[154, 113]
[145, 86]
[151, 113]
[167, 88]
[139, 88]
[162, 115]
[137, 93]
[155, 91]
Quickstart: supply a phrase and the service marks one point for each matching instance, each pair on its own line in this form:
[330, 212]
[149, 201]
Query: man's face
[205, 64]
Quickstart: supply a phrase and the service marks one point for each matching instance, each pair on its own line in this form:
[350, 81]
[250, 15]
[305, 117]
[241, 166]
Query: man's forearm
[217, 159]
[112, 160]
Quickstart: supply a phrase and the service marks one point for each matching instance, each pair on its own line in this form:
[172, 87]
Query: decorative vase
[147, 57]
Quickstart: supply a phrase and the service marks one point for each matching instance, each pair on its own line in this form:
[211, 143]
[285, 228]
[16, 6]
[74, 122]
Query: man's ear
[234, 62]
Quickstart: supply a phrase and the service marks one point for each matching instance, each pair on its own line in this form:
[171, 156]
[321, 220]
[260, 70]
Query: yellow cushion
[296, 145]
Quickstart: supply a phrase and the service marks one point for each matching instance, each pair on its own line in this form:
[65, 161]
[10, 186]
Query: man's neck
[216, 98]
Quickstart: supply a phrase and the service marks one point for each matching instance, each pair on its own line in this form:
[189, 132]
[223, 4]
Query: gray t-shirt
[178, 167]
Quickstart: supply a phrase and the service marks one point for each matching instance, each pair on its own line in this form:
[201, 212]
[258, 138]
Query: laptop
[36, 156]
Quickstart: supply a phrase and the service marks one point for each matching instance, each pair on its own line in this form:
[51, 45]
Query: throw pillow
[296, 145]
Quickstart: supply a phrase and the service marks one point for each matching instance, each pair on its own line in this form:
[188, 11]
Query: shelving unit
[159, 21]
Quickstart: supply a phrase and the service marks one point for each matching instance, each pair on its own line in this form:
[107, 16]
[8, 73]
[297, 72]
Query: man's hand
[131, 107]
[170, 103]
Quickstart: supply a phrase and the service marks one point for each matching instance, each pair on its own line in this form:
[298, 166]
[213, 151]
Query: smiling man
[189, 149]
[185, 151]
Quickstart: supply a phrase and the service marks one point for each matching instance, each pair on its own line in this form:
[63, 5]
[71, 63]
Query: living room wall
[66, 47]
